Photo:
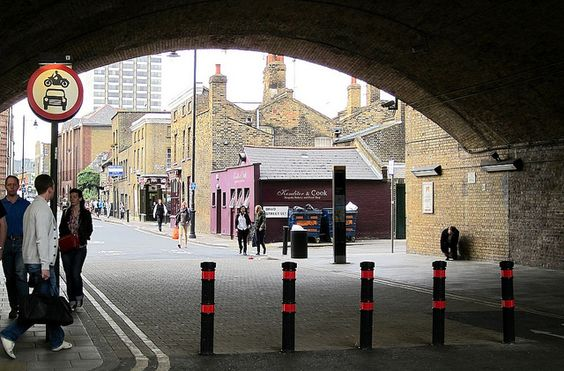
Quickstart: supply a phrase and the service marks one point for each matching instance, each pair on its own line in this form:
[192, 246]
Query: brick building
[499, 214]
[80, 140]
[141, 148]
[223, 129]
[42, 158]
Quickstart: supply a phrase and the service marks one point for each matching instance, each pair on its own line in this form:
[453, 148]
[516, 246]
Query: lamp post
[193, 171]
[23, 153]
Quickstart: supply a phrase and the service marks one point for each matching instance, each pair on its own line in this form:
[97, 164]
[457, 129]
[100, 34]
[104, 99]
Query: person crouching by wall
[242, 224]
[78, 221]
[260, 228]
[449, 243]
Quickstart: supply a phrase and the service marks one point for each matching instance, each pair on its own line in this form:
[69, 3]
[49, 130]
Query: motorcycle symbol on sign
[56, 79]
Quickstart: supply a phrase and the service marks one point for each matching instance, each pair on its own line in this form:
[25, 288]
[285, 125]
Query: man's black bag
[40, 308]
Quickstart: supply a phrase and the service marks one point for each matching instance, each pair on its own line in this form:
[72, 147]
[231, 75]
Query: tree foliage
[88, 181]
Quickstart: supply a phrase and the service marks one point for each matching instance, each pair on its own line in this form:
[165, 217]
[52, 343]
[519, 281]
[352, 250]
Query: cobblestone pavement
[161, 298]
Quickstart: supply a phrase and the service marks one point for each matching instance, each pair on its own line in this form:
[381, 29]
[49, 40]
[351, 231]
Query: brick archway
[489, 74]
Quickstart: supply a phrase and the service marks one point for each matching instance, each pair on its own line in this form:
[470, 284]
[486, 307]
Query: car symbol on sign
[55, 97]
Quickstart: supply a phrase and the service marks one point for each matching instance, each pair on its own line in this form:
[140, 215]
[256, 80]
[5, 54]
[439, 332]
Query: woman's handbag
[68, 243]
[46, 309]
[175, 233]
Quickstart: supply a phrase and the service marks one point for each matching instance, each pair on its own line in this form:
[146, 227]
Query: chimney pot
[353, 80]
[218, 69]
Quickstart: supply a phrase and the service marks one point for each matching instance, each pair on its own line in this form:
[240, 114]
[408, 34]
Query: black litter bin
[298, 244]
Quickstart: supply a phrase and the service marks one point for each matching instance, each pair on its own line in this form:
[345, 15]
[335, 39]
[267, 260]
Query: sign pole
[54, 93]
[391, 164]
[53, 173]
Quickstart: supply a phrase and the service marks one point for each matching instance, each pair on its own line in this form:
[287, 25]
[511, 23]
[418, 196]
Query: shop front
[248, 185]
[151, 188]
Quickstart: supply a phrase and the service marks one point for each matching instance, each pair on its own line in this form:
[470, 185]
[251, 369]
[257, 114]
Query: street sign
[193, 186]
[276, 211]
[115, 171]
[55, 92]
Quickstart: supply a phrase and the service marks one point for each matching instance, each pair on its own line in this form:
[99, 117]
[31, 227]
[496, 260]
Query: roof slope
[281, 163]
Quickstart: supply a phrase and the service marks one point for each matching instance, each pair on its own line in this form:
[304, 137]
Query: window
[223, 199]
[322, 142]
[232, 199]
[240, 198]
[246, 197]
[168, 158]
[213, 199]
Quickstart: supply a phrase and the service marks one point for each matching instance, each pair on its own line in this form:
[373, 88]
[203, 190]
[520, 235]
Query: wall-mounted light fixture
[502, 165]
[432, 170]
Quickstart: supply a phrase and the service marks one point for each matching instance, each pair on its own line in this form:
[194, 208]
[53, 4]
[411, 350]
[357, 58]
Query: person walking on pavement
[39, 251]
[260, 228]
[78, 221]
[159, 212]
[11, 255]
[182, 220]
[449, 243]
[242, 225]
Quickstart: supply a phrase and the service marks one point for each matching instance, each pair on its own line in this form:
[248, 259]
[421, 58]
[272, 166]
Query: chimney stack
[218, 88]
[372, 94]
[353, 99]
[274, 77]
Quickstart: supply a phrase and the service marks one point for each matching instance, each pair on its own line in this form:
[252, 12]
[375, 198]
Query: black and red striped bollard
[439, 302]
[507, 301]
[288, 306]
[366, 303]
[207, 308]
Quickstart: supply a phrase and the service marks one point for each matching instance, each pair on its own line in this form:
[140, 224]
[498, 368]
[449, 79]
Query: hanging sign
[55, 92]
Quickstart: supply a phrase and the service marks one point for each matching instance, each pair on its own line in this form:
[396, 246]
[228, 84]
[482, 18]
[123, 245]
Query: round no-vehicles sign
[55, 92]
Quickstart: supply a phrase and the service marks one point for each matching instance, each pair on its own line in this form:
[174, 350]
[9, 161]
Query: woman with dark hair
[76, 220]
[242, 225]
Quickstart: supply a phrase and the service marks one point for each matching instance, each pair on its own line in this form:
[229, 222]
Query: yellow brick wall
[480, 210]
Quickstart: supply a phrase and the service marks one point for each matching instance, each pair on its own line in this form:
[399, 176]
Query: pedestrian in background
[75, 220]
[449, 243]
[39, 251]
[242, 225]
[13, 206]
[159, 212]
[260, 228]
[182, 219]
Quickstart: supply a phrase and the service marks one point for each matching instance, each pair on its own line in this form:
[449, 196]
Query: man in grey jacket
[39, 250]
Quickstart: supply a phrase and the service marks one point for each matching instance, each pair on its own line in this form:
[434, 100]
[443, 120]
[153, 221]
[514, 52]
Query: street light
[23, 153]
[174, 54]
[193, 175]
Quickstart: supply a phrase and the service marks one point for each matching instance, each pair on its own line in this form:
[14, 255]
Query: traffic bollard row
[366, 303]
[288, 306]
[207, 308]
[507, 301]
[439, 302]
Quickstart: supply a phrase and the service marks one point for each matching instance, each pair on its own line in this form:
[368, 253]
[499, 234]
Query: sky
[319, 87]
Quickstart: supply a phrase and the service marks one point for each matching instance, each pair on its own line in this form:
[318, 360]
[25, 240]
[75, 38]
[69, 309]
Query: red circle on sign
[40, 111]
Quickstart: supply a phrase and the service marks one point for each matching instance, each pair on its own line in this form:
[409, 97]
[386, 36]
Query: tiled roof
[280, 163]
[101, 117]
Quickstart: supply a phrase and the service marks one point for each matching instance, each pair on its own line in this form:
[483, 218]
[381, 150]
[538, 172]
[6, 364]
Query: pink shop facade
[242, 185]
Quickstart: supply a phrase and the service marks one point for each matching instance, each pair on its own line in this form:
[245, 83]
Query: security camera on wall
[390, 104]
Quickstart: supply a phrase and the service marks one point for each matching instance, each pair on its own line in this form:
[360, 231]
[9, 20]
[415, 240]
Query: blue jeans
[72, 264]
[14, 270]
[55, 333]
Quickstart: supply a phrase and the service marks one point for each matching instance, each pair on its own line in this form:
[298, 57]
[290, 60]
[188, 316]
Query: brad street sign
[55, 92]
